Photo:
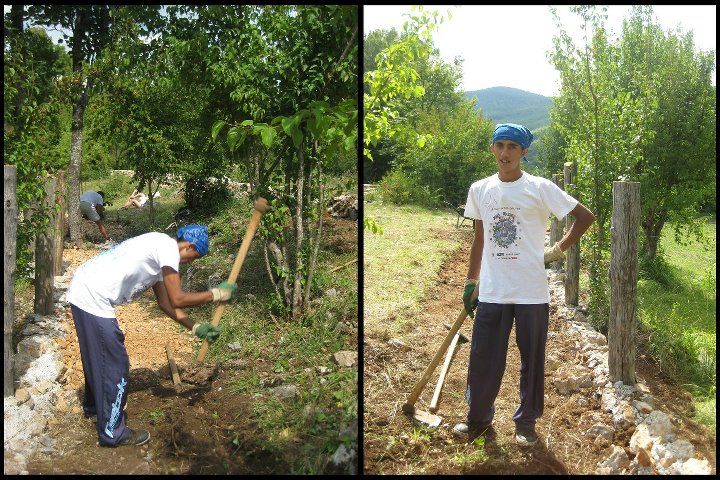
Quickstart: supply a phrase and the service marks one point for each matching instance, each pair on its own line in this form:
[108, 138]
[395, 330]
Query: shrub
[400, 188]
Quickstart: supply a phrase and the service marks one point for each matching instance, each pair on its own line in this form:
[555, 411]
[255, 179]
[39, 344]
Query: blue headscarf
[514, 132]
[195, 234]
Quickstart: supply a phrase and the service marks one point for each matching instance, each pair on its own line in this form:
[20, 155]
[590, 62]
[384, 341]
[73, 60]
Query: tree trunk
[572, 259]
[316, 240]
[299, 236]
[556, 226]
[74, 215]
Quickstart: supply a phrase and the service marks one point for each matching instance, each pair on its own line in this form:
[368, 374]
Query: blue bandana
[195, 234]
[514, 132]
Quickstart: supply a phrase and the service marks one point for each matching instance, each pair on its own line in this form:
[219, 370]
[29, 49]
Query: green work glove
[469, 301]
[206, 331]
[224, 292]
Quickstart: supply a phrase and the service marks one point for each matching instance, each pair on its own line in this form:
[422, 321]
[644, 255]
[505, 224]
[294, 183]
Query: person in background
[137, 200]
[92, 207]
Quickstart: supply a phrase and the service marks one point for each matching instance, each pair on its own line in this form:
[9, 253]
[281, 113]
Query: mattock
[446, 366]
[409, 405]
[260, 206]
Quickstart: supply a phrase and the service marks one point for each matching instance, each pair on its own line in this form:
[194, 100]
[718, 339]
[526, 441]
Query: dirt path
[201, 430]
[393, 444]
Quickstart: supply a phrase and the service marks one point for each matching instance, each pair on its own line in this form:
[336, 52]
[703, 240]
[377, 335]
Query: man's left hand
[554, 254]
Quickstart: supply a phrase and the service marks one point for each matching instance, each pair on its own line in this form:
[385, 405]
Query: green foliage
[32, 124]
[450, 166]
[401, 188]
[396, 78]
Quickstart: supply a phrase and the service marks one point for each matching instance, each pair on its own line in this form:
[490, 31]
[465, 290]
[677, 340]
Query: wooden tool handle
[409, 405]
[448, 357]
[259, 208]
[173, 367]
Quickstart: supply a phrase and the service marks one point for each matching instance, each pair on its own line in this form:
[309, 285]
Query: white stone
[692, 467]
[47, 367]
[614, 464]
[642, 407]
[668, 453]
[342, 455]
[345, 358]
[655, 428]
[285, 391]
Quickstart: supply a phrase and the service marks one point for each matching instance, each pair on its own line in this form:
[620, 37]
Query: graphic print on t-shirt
[505, 233]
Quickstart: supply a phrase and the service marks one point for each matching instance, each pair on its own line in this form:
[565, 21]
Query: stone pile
[653, 446]
[38, 368]
[344, 206]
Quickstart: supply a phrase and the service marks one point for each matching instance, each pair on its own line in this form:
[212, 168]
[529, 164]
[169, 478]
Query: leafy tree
[33, 120]
[594, 115]
[451, 166]
[677, 169]
[91, 31]
[295, 86]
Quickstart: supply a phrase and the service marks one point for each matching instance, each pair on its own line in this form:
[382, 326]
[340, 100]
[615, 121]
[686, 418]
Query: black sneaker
[468, 429]
[135, 437]
[526, 436]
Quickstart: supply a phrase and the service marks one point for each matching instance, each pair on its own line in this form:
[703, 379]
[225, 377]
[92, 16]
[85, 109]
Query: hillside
[505, 104]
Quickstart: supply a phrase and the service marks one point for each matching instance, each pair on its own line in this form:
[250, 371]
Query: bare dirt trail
[394, 444]
[191, 432]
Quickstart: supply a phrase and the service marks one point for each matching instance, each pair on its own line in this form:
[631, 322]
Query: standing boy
[511, 210]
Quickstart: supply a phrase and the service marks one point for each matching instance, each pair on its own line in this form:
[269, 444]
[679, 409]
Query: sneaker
[465, 429]
[526, 436]
[136, 437]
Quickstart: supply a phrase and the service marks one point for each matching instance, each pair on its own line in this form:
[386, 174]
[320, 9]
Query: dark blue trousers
[488, 353]
[106, 367]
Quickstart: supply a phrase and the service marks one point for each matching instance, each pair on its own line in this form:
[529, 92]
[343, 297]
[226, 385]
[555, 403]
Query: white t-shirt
[93, 198]
[122, 273]
[142, 199]
[514, 216]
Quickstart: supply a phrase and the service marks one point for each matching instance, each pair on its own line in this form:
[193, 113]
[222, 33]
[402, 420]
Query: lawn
[402, 261]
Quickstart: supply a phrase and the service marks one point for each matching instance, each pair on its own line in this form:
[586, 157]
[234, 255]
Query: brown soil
[395, 445]
[197, 429]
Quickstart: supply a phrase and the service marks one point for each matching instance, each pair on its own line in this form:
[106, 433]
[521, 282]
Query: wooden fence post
[572, 257]
[60, 192]
[44, 264]
[10, 227]
[556, 227]
[623, 281]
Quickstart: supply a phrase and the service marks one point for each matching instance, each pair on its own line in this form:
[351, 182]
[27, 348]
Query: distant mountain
[512, 105]
[505, 104]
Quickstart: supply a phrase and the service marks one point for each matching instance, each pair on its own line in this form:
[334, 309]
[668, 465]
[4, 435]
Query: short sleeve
[472, 204]
[556, 199]
[167, 254]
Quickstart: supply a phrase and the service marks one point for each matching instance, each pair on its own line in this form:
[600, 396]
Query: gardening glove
[206, 331]
[224, 292]
[469, 301]
[554, 254]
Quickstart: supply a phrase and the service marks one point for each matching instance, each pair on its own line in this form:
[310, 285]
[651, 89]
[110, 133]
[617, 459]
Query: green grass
[402, 262]
[682, 318]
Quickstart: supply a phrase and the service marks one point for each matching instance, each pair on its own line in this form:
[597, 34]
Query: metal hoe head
[421, 416]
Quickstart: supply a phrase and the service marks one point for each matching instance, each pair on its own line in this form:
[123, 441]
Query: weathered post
[556, 227]
[572, 257]
[623, 281]
[60, 192]
[44, 264]
[10, 227]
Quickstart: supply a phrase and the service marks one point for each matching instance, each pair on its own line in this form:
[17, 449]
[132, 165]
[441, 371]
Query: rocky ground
[589, 425]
